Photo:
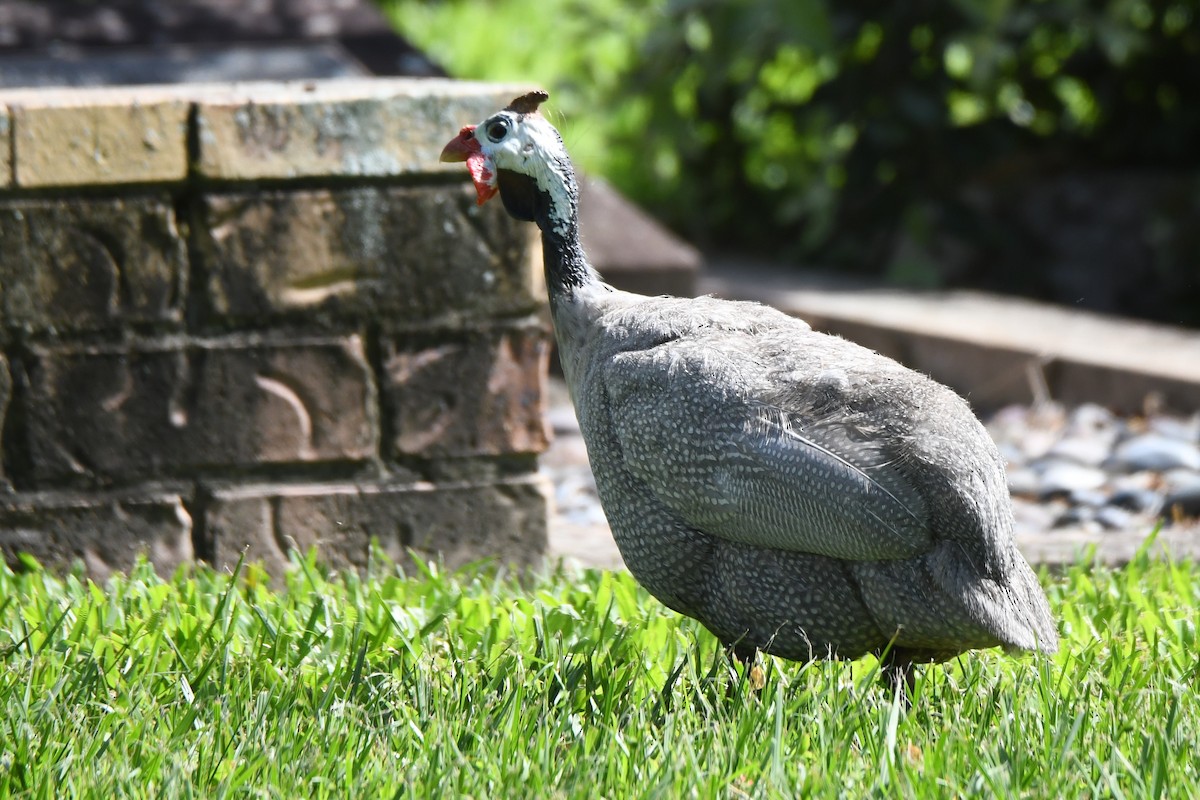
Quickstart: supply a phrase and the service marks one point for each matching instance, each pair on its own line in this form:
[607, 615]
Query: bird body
[795, 492]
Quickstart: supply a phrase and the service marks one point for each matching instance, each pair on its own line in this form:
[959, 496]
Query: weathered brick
[467, 394]
[77, 137]
[5, 148]
[5, 398]
[85, 264]
[504, 520]
[173, 407]
[407, 253]
[106, 530]
[325, 128]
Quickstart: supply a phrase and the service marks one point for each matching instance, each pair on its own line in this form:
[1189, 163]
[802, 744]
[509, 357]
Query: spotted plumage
[796, 493]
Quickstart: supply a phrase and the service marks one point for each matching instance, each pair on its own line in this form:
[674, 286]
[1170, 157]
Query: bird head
[519, 155]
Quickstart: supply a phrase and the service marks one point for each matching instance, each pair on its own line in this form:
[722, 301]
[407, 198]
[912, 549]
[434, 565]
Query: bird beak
[465, 147]
[462, 146]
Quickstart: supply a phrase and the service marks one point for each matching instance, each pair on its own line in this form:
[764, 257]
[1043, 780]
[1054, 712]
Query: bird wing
[767, 457]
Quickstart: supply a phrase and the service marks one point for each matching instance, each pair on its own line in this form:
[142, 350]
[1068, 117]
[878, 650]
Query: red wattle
[465, 147]
[483, 178]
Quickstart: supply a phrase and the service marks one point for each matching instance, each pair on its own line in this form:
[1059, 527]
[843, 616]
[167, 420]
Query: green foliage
[830, 127]
[918, 141]
[579, 50]
[564, 685]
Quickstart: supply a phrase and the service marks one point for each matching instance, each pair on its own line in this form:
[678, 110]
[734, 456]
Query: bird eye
[497, 129]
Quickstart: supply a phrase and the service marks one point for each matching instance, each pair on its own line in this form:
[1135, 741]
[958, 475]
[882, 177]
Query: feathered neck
[566, 264]
[554, 208]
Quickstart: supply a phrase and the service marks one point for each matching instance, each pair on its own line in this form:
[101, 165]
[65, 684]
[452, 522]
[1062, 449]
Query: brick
[377, 128]
[173, 407]
[504, 520]
[6, 176]
[106, 530]
[405, 253]
[78, 137]
[88, 264]
[5, 398]
[469, 394]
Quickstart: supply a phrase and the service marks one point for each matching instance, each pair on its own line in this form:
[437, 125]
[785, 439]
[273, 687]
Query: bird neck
[566, 264]
[550, 198]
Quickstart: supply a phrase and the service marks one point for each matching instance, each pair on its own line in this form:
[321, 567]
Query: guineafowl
[796, 493]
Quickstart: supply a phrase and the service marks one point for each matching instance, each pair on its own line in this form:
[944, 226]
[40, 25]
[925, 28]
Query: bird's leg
[747, 656]
[897, 673]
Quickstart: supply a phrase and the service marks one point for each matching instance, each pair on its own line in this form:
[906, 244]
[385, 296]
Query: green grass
[569, 685]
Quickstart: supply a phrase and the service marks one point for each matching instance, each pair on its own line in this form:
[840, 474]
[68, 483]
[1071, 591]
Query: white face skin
[531, 146]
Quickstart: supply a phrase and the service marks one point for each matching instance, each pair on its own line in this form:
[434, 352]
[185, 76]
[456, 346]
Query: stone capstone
[5, 149]
[354, 128]
[74, 138]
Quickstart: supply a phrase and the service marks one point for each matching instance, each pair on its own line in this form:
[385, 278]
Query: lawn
[562, 685]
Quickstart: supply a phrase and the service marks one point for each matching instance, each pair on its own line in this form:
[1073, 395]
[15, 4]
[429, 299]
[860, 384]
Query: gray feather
[749, 471]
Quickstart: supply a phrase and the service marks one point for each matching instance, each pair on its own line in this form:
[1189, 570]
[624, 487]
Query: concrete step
[993, 350]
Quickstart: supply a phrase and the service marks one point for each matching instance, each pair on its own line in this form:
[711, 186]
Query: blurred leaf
[808, 129]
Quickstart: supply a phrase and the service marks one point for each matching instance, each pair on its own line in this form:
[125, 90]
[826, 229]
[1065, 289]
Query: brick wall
[244, 318]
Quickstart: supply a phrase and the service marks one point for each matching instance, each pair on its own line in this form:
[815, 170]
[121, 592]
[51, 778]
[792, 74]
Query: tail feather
[1012, 605]
[942, 603]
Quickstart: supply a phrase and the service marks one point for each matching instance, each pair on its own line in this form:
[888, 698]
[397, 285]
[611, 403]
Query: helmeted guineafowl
[795, 492]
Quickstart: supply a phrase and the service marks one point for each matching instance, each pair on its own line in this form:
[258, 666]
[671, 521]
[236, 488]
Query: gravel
[1098, 471]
